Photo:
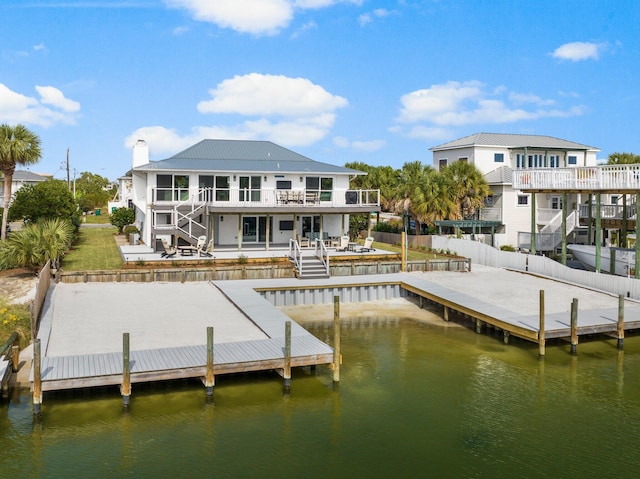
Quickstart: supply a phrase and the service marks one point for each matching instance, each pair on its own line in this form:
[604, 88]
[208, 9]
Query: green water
[415, 400]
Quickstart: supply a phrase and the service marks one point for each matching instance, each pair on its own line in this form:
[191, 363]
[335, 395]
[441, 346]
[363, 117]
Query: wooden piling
[15, 358]
[287, 355]
[337, 357]
[125, 389]
[505, 336]
[574, 326]
[37, 378]
[620, 321]
[209, 379]
[445, 313]
[541, 342]
[478, 326]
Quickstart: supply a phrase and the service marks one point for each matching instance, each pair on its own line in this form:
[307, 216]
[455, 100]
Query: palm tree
[411, 185]
[18, 146]
[469, 187]
[39, 242]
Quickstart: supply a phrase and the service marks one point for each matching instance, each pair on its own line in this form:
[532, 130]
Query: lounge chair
[367, 246]
[201, 246]
[168, 251]
[344, 244]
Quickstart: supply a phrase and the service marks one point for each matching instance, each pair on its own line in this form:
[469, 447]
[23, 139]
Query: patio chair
[344, 244]
[168, 251]
[367, 246]
[201, 246]
[303, 242]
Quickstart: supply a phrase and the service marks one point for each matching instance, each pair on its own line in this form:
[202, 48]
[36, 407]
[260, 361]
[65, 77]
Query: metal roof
[499, 176]
[29, 176]
[509, 140]
[242, 155]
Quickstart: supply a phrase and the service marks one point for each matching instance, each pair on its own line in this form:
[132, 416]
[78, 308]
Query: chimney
[140, 154]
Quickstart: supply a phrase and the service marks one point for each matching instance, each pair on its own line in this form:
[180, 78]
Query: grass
[95, 249]
[413, 255]
[14, 318]
[103, 219]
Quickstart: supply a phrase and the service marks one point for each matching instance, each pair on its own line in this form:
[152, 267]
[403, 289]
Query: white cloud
[39, 46]
[180, 30]
[258, 94]
[51, 108]
[288, 111]
[433, 111]
[357, 145]
[52, 96]
[369, 17]
[258, 17]
[578, 51]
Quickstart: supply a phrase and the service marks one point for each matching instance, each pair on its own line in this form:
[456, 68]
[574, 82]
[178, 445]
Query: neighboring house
[124, 193]
[20, 179]
[508, 211]
[243, 193]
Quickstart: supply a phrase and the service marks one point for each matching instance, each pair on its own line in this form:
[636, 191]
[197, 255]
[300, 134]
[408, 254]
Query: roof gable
[243, 155]
[509, 140]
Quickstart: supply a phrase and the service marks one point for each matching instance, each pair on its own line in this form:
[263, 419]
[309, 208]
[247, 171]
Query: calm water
[415, 400]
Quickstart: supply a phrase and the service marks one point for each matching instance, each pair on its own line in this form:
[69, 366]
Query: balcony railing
[608, 211]
[588, 178]
[268, 197]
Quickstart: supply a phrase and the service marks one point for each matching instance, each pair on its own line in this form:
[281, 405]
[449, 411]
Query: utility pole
[68, 177]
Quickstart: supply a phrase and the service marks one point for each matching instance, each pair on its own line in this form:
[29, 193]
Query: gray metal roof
[242, 155]
[508, 140]
[499, 176]
[28, 176]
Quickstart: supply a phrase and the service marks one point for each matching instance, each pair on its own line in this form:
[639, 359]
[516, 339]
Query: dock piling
[541, 342]
[445, 313]
[574, 326]
[37, 378]
[620, 321]
[478, 326]
[505, 336]
[209, 379]
[337, 357]
[287, 355]
[125, 389]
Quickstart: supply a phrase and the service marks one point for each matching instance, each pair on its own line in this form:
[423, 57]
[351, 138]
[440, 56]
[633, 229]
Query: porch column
[212, 230]
[321, 226]
[532, 247]
[590, 219]
[342, 224]
[266, 241]
[598, 231]
[637, 247]
[295, 226]
[564, 229]
[623, 230]
[239, 231]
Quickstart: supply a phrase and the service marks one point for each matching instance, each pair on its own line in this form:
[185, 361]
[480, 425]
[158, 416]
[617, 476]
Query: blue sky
[336, 80]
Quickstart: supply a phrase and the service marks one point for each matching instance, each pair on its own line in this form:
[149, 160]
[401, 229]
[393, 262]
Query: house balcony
[268, 199]
[606, 178]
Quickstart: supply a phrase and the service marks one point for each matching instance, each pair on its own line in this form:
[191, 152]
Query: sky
[338, 81]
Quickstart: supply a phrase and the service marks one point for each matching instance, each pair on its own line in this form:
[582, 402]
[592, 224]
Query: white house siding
[452, 156]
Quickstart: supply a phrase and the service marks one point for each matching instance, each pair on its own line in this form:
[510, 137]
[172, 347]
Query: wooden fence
[44, 280]
[414, 241]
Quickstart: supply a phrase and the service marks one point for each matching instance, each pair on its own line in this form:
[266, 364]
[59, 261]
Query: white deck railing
[267, 197]
[592, 178]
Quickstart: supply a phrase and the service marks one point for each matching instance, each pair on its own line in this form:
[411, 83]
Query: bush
[14, 318]
[122, 217]
[389, 227]
[507, 247]
[130, 229]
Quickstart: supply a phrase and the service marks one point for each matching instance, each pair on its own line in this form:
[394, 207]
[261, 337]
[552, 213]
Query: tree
[122, 217]
[469, 187]
[623, 159]
[18, 146]
[46, 200]
[37, 243]
[90, 191]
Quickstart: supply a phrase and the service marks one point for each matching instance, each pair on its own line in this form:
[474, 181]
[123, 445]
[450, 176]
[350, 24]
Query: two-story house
[241, 193]
[21, 178]
[508, 210]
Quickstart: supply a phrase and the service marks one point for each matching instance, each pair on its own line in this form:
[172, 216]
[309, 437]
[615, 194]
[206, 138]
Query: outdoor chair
[201, 246]
[367, 246]
[344, 244]
[303, 242]
[168, 251]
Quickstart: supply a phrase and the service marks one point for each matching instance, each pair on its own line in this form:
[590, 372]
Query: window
[205, 186]
[172, 187]
[556, 202]
[464, 159]
[572, 160]
[488, 201]
[222, 188]
[554, 161]
[498, 157]
[518, 161]
[523, 200]
[615, 199]
[442, 164]
[283, 185]
[322, 186]
[250, 188]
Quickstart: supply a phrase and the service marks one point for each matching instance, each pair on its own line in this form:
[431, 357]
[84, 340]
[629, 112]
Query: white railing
[608, 211]
[295, 253]
[550, 236]
[269, 197]
[591, 178]
[322, 254]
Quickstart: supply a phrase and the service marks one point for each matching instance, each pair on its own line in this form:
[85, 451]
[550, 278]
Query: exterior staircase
[312, 268]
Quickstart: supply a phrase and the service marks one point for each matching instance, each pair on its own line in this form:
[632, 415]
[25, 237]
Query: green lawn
[94, 249]
[102, 219]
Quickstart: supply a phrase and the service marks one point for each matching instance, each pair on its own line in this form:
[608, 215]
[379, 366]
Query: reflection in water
[415, 400]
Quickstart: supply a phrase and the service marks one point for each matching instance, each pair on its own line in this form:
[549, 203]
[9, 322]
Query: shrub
[507, 247]
[122, 217]
[14, 318]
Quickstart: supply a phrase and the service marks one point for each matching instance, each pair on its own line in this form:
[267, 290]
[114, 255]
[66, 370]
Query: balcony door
[249, 187]
[254, 229]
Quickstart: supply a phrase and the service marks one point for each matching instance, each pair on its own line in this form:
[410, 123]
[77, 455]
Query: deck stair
[312, 268]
